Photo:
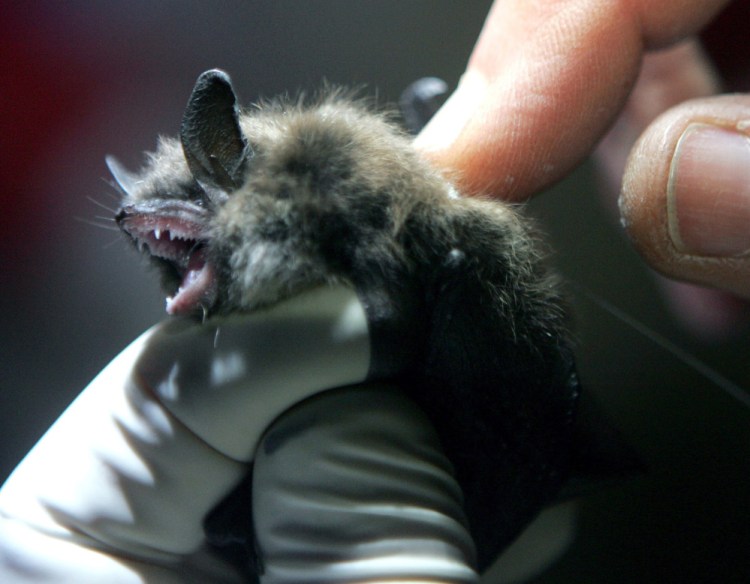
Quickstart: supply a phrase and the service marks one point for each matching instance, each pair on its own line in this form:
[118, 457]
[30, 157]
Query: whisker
[111, 243]
[102, 205]
[100, 226]
[95, 224]
[117, 187]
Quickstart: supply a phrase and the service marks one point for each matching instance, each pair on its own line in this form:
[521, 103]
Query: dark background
[82, 79]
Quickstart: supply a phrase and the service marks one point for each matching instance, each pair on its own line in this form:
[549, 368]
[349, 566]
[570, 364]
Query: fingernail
[708, 193]
[451, 119]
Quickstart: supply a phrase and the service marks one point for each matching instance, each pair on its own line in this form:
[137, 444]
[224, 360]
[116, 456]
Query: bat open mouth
[174, 234]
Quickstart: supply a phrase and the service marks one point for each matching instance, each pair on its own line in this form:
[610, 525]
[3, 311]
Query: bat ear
[214, 147]
[123, 177]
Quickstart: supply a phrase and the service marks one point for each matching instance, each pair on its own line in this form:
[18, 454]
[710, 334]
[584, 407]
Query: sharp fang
[171, 236]
[157, 233]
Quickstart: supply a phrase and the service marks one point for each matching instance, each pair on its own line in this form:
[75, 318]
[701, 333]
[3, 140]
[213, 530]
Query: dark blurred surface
[82, 79]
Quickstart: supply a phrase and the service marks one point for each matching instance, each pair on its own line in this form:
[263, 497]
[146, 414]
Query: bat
[252, 206]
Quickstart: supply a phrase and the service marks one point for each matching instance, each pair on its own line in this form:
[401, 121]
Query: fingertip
[446, 126]
[685, 199]
[543, 84]
[448, 141]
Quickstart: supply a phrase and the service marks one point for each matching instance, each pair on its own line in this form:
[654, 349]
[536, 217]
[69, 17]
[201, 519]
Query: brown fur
[468, 317]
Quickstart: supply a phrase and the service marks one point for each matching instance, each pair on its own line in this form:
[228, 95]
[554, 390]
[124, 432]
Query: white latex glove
[117, 489]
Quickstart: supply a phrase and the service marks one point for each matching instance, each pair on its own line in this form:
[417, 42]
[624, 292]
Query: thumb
[685, 199]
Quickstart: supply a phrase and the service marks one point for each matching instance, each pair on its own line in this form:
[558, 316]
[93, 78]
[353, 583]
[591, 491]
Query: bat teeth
[157, 233]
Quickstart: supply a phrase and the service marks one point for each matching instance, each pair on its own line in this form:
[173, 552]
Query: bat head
[250, 207]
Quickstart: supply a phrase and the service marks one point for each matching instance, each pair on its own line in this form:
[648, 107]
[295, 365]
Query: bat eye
[208, 196]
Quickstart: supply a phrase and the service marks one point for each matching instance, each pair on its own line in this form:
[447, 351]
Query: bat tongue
[198, 286]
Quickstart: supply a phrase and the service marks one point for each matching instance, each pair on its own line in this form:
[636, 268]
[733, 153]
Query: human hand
[547, 80]
[119, 488]
[668, 79]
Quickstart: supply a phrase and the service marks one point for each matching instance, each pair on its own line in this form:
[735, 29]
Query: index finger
[543, 84]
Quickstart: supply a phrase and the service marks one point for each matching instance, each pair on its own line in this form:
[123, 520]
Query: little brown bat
[250, 207]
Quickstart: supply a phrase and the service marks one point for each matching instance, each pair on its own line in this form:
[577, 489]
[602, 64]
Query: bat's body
[252, 207]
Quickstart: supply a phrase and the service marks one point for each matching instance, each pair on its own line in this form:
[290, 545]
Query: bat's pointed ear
[123, 177]
[214, 147]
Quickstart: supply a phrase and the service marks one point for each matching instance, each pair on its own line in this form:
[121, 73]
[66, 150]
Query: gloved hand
[347, 484]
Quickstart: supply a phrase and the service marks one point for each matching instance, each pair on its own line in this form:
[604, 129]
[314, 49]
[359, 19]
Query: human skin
[547, 80]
